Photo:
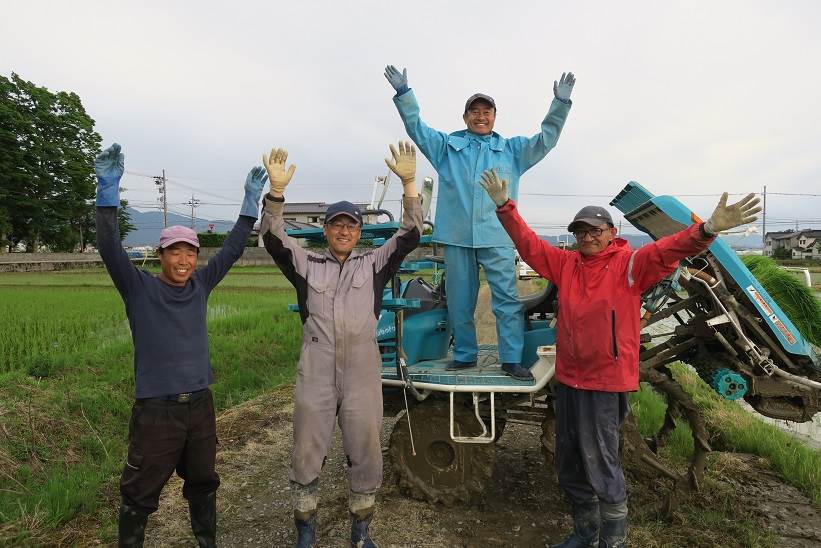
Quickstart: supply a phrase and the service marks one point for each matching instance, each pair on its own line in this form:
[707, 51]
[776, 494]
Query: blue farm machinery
[711, 314]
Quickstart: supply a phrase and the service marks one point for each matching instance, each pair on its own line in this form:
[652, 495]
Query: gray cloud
[686, 98]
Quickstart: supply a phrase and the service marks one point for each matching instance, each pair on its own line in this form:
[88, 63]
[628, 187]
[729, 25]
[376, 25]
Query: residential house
[802, 244]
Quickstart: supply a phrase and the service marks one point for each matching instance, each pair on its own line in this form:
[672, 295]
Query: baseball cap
[173, 234]
[477, 96]
[591, 215]
[343, 208]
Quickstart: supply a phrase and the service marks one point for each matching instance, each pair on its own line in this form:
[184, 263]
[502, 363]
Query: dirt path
[523, 504]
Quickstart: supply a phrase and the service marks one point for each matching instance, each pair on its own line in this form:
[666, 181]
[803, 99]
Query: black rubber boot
[613, 533]
[586, 522]
[518, 372]
[203, 512]
[132, 527]
[305, 529]
[360, 538]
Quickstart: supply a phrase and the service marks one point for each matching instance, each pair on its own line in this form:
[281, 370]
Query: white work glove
[495, 187]
[275, 166]
[726, 217]
[404, 165]
[564, 87]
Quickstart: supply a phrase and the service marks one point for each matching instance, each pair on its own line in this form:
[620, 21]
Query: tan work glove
[275, 166]
[726, 217]
[495, 187]
[404, 165]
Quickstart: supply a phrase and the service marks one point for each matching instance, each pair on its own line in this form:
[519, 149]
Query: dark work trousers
[587, 443]
[164, 436]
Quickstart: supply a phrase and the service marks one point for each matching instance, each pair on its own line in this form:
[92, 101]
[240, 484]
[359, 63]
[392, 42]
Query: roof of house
[781, 235]
[318, 208]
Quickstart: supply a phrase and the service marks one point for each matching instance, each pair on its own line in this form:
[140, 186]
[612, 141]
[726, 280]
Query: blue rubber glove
[253, 190]
[564, 87]
[399, 80]
[109, 166]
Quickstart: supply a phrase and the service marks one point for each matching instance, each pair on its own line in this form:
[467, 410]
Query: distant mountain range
[150, 223]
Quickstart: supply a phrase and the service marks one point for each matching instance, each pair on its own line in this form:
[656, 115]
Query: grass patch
[796, 300]
[733, 429]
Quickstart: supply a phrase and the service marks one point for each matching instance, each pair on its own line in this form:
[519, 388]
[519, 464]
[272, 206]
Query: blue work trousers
[462, 289]
[587, 443]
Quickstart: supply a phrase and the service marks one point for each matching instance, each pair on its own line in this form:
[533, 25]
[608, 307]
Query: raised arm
[540, 255]
[389, 256]
[530, 151]
[109, 167]
[431, 142]
[289, 256]
[234, 246]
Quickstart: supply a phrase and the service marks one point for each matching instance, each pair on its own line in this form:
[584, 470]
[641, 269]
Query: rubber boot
[131, 527]
[203, 512]
[586, 522]
[613, 532]
[305, 529]
[360, 538]
[304, 500]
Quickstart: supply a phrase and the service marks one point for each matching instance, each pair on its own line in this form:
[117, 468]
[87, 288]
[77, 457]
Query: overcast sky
[690, 97]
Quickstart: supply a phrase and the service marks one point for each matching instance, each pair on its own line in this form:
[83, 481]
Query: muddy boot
[203, 512]
[305, 529]
[361, 506]
[585, 526]
[360, 538]
[304, 500]
[613, 525]
[132, 527]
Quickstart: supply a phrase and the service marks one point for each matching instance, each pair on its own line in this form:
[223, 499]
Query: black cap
[343, 208]
[591, 215]
[479, 96]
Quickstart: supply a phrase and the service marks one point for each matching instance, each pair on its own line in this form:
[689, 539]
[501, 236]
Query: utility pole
[193, 202]
[163, 199]
[764, 219]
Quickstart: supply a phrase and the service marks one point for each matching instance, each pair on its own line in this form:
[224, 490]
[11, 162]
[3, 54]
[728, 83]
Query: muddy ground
[522, 506]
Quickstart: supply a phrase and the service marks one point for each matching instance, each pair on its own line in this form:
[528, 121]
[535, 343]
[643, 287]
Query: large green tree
[88, 225]
[47, 149]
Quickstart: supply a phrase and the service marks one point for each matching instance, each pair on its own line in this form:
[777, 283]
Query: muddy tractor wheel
[442, 470]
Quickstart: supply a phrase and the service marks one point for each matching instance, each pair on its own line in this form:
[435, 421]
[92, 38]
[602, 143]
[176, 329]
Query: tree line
[47, 184]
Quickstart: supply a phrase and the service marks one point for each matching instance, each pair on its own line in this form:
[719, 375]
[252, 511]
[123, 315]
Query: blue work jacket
[465, 214]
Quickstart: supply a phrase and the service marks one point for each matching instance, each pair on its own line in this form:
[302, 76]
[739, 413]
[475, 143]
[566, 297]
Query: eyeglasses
[338, 227]
[594, 232]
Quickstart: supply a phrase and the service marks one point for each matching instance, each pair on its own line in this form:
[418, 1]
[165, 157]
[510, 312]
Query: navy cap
[591, 215]
[343, 208]
[479, 97]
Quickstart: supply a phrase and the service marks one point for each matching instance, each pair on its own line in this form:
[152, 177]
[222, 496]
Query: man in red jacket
[597, 344]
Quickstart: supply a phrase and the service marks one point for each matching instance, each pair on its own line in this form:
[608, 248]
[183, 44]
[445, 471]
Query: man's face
[342, 234]
[178, 262]
[593, 239]
[480, 117]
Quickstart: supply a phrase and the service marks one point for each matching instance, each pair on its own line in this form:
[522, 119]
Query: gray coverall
[339, 371]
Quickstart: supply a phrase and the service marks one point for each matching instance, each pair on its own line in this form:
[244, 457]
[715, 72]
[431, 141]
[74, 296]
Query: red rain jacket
[597, 336]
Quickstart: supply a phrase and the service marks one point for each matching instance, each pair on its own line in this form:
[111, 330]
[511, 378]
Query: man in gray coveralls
[340, 297]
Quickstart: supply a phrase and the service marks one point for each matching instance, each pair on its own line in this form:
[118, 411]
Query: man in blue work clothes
[466, 222]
